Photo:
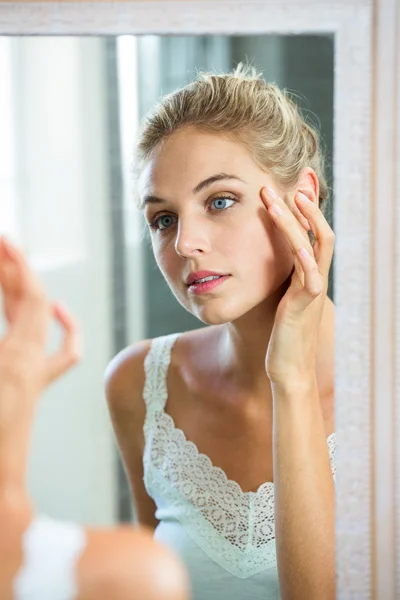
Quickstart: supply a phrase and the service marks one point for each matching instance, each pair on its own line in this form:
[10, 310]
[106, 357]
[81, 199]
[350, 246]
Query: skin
[241, 240]
[290, 315]
[265, 322]
[25, 370]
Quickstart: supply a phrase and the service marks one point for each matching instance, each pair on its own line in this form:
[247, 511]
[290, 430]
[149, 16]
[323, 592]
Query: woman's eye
[221, 203]
[163, 222]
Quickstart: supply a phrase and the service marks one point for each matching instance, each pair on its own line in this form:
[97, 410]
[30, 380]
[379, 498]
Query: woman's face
[201, 196]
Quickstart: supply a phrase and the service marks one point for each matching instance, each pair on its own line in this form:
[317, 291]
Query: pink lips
[207, 286]
[201, 275]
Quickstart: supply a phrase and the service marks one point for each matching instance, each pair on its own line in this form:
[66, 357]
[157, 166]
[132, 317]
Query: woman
[43, 559]
[227, 432]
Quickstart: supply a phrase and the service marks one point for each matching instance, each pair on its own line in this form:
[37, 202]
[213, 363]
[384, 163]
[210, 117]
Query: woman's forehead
[187, 159]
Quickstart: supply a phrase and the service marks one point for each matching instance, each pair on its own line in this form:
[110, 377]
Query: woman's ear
[308, 185]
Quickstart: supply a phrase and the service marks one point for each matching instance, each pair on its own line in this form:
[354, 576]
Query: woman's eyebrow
[218, 177]
[150, 199]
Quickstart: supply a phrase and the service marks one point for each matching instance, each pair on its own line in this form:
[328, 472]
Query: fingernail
[7, 246]
[302, 197]
[61, 308]
[303, 252]
[272, 193]
[277, 209]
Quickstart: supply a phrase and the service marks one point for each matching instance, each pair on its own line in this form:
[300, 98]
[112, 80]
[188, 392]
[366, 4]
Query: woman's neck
[244, 343]
[243, 347]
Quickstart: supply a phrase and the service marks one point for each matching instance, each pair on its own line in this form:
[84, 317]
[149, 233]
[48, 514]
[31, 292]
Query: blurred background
[70, 108]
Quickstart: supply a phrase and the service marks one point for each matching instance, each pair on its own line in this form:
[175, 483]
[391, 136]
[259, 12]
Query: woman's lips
[207, 286]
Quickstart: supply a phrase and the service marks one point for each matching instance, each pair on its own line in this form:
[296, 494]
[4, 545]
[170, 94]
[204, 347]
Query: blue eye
[220, 203]
[162, 222]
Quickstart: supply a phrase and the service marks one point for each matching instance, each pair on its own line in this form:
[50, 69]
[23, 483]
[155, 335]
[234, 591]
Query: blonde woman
[40, 558]
[227, 432]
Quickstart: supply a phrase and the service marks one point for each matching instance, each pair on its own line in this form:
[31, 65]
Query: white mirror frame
[367, 225]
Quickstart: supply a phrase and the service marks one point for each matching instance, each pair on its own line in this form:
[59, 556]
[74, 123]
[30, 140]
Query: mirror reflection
[147, 208]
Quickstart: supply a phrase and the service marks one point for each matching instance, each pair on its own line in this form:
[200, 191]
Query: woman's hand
[291, 353]
[24, 365]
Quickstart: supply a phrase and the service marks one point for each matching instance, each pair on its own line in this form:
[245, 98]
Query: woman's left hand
[291, 354]
[24, 365]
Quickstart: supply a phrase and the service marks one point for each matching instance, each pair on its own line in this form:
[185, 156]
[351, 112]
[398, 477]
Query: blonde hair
[243, 104]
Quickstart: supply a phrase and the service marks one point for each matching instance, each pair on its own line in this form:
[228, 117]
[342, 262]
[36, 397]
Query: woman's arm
[117, 564]
[304, 494]
[25, 368]
[124, 383]
[304, 489]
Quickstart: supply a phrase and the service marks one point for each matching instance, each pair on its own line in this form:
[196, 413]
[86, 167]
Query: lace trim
[239, 563]
[156, 365]
[235, 528]
[188, 452]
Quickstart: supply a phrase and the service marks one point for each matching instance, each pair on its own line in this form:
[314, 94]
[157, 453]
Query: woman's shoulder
[125, 371]
[157, 573]
[125, 374]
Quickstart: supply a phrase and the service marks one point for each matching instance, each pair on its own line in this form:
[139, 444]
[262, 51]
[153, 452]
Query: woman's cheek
[167, 263]
[161, 258]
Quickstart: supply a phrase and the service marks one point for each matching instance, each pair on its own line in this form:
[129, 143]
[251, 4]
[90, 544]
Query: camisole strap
[156, 365]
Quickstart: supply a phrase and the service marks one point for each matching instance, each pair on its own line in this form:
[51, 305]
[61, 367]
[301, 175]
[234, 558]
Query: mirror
[363, 272]
[71, 111]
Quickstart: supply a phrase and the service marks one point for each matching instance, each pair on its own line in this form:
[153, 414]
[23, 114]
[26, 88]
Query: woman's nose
[191, 239]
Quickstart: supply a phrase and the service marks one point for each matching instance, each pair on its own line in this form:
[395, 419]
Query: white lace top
[224, 536]
[51, 550]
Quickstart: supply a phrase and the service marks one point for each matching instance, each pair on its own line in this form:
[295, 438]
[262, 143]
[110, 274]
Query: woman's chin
[213, 319]
[212, 315]
[219, 310]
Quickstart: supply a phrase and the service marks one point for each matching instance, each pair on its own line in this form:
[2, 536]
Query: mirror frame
[367, 253]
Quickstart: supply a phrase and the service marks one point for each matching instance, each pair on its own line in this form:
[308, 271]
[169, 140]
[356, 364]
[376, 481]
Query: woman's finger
[324, 236]
[286, 221]
[299, 273]
[313, 280]
[22, 280]
[25, 303]
[71, 349]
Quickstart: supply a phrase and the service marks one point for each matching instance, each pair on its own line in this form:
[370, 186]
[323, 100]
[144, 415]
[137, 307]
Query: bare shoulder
[124, 383]
[125, 376]
[127, 563]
